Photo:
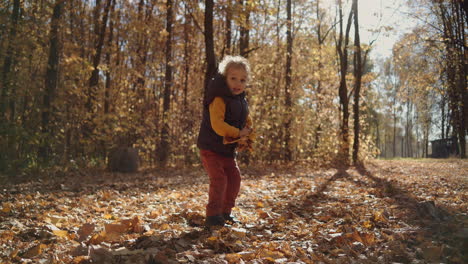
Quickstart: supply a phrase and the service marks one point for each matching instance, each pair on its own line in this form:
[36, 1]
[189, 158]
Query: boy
[225, 116]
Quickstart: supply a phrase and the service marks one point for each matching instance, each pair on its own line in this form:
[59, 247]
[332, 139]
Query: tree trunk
[453, 23]
[357, 84]
[320, 40]
[426, 142]
[442, 106]
[342, 49]
[186, 56]
[228, 40]
[107, 91]
[7, 65]
[402, 146]
[108, 78]
[394, 126]
[187, 119]
[377, 133]
[141, 57]
[277, 154]
[417, 138]
[287, 91]
[164, 146]
[51, 81]
[244, 30]
[462, 54]
[407, 128]
[100, 31]
[209, 43]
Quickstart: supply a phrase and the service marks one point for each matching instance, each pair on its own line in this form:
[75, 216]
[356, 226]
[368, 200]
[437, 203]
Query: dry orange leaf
[212, 239]
[365, 238]
[266, 253]
[6, 207]
[98, 238]
[34, 251]
[369, 238]
[116, 228]
[233, 258]
[239, 232]
[108, 216]
[85, 230]
[7, 235]
[379, 217]
[61, 233]
[80, 259]
[262, 214]
[14, 254]
[133, 225]
[154, 214]
[247, 255]
[367, 224]
[112, 237]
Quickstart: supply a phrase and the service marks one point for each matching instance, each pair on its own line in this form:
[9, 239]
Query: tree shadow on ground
[425, 224]
[385, 188]
[92, 181]
[436, 223]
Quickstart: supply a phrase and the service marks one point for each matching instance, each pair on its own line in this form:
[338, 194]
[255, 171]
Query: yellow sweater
[217, 111]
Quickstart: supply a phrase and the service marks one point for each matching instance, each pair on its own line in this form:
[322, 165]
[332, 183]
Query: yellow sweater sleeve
[217, 111]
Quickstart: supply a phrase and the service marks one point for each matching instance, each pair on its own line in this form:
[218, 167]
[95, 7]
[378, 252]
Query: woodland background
[80, 78]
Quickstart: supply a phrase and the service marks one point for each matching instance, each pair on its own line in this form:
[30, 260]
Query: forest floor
[390, 211]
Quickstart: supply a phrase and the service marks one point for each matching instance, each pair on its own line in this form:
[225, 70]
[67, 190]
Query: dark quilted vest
[235, 115]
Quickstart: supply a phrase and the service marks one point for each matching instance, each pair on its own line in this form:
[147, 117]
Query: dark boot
[215, 220]
[228, 218]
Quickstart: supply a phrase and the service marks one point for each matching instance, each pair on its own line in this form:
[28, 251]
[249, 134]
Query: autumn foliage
[80, 79]
[98, 77]
[119, 84]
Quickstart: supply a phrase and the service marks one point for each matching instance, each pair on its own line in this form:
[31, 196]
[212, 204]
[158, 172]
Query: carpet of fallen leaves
[399, 211]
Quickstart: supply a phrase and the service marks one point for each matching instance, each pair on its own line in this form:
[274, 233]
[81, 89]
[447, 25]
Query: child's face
[236, 78]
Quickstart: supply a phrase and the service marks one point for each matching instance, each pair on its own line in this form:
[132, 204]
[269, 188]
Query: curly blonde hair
[233, 61]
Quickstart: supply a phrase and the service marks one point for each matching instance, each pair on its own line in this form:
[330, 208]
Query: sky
[381, 13]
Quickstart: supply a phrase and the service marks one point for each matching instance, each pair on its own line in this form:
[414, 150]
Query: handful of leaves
[243, 143]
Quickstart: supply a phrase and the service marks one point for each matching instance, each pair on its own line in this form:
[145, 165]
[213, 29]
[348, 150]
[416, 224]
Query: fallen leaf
[85, 230]
[262, 214]
[61, 233]
[266, 253]
[379, 217]
[57, 220]
[247, 255]
[98, 238]
[33, 251]
[239, 232]
[116, 228]
[6, 207]
[81, 259]
[109, 217]
[233, 258]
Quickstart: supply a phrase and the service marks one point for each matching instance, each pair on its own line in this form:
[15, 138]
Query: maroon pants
[224, 182]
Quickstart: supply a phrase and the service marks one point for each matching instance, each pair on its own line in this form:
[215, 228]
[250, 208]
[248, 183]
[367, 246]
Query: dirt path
[407, 211]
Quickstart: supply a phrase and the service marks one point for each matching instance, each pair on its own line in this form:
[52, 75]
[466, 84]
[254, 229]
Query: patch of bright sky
[379, 14]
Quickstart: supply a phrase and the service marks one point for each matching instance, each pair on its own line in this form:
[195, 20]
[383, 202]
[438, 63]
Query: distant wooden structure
[444, 148]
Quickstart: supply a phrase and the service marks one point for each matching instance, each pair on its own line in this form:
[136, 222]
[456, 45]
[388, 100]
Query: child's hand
[245, 132]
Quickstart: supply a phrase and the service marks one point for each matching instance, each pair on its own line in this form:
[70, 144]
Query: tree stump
[123, 160]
